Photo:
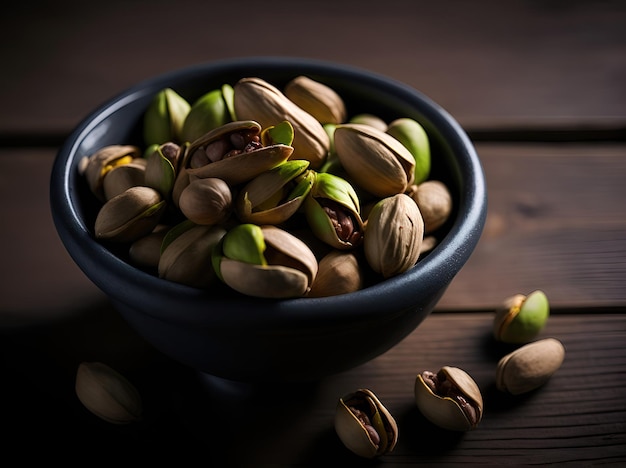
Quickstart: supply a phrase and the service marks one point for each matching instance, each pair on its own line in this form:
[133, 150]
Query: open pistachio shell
[450, 398]
[529, 367]
[364, 425]
[161, 168]
[129, 215]
[105, 159]
[376, 161]
[521, 318]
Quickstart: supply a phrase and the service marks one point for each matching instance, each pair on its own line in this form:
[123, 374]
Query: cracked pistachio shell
[206, 201]
[102, 161]
[434, 201]
[275, 195]
[239, 168]
[529, 367]
[441, 407]
[339, 272]
[412, 135]
[161, 168]
[107, 394]
[209, 111]
[122, 177]
[258, 100]
[187, 257]
[521, 318]
[332, 210]
[393, 235]
[129, 215]
[318, 99]
[364, 425]
[375, 160]
[265, 261]
[164, 118]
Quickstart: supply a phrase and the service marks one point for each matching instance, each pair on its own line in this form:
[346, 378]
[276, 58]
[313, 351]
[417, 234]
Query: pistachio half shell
[521, 318]
[529, 367]
[449, 398]
[364, 425]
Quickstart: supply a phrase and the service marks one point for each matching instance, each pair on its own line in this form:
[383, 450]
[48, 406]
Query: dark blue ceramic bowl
[250, 339]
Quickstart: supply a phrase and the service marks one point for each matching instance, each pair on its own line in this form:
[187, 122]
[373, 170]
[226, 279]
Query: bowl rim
[190, 304]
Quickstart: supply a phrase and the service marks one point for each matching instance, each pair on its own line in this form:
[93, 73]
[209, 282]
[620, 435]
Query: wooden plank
[491, 65]
[579, 416]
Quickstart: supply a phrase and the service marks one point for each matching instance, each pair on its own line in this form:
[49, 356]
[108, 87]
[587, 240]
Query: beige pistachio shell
[258, 100]
[107, 394]
[339, 273]
[393, 235]
[376, 161]
[187, 259]
[530, 366]
[122, 177]
[438, 404]
[105, 159]
[364, 425]
[291, 270]
[129, 215]
[206, 201]
[370, 120]
[318, 99]
[145, 252]
[435, 203]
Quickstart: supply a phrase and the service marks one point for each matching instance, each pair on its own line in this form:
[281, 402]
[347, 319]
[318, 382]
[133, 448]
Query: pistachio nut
[275, 195]
[107, 393]
[529, 367]
[164, 118]
[265, 261]
[129, 215]
[102, 161]
[145, 252]
[412, 135]
[258, 100]
[370, 120]
[162, 167]
[375, 161]
[449, 398]
[434, 201]
[233, 153]
[206, 201]
[332, 211]
[123, 177]
[339, 272]
[521, 318]
[364, 425]
[209, 111]
[393, 235]
[318, 99]
[186, 259]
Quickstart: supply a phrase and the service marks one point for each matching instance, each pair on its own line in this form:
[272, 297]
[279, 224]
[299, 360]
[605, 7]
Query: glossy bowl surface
[251, 339]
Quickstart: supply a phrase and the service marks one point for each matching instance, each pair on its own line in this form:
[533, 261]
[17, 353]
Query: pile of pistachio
[274, 193]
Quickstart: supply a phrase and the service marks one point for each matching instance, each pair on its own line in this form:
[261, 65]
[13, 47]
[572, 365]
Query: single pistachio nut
[318, 99]
[364, 425]
[162, 167]
[265, 261]
[206, 201]
[521, 318]
[258, 100]
[375, 160]
[129, 215]
[209, 111]
[412, 135]
[122, 177]
[529, 367]
[275, 195]
[102, 161]
[164, 118]
[339, 272]
[450, 398]
[434, 201]
[145, 252]
[332, 210]
[186, 258]
[370, 120]
[107, 393]
[393, 235]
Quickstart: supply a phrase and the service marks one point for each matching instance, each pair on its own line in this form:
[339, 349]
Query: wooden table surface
[540, 87]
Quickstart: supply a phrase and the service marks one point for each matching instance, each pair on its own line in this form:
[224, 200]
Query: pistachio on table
[364, 425]
[521, 318]
[529, 367]
[107, 393]
[449, 398]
